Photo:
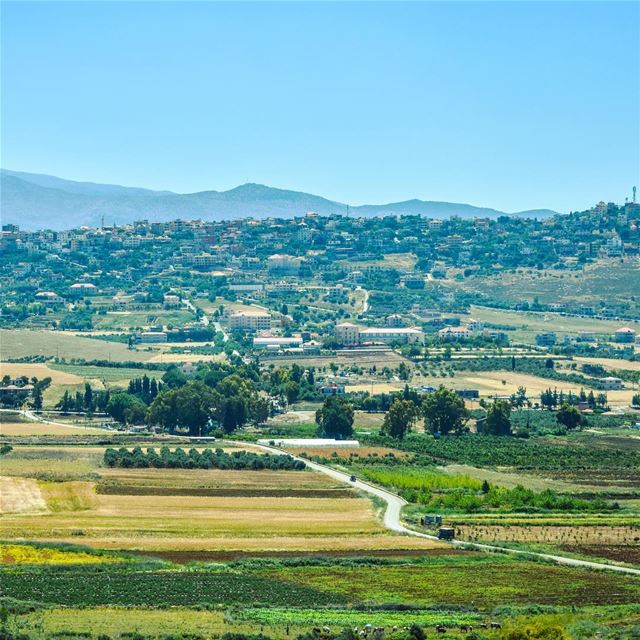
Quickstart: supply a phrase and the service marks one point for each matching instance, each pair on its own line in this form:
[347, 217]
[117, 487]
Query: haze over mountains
[36, 201]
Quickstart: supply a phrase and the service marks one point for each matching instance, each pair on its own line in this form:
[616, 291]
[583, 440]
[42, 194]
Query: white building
[250, 321]
[388, 335]
[247, 287]
[347, 333]
[277, 342]
[395, 320]
[49, 297]
[611, 384]
[151, 337]
[454, 333]
[204, 260]
[279, 263]
[624, 334]
[83, 289]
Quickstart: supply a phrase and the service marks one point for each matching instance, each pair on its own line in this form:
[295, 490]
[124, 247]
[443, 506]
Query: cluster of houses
[623, 335]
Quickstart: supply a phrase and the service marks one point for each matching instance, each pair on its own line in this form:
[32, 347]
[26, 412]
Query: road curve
[393, 522]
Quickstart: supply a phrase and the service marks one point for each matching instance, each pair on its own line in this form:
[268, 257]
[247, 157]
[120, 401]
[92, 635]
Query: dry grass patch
[218, 478]
[43, 429]
[40, 371]
[220, 483]
[177, 522]
[52, 463]
[21, 495]
[347, 452]
[17, 343]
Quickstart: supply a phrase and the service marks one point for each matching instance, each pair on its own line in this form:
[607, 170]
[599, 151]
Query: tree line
[193, 459]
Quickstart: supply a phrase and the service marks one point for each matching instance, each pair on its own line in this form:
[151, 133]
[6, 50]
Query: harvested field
[42, 429]
[345, 359]
[346, 452]
[217, 482]
[17, 343]
[491, 383]
[21, 495]
[189, 522]
[40, 371]
[52, 463]
[536, 482]
[610, 363]
[375, 388]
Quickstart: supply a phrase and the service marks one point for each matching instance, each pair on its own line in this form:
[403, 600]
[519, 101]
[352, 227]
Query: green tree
[65, 403]
[126, 408]
[174, 377]
[400, 418]
[36, 401]
[498, 421]
[88, 398]
[291, 391]
[569, 416]
[335, 418]
[444, 412]
[190, 406]
[259, 409]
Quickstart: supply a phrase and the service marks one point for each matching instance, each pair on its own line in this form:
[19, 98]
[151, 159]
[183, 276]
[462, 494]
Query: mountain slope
[84, 188]
[36, 201]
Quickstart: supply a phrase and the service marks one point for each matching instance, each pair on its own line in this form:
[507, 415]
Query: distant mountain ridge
[38, 201]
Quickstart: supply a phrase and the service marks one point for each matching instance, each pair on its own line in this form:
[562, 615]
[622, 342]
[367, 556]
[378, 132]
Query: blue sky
[513, 105]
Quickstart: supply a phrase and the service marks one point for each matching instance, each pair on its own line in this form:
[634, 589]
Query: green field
[126, 320]
[107, 374]
[18, 343]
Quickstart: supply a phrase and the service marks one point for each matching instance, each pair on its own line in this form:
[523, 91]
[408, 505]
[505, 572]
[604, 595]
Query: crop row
[157, 588]
[540, 454]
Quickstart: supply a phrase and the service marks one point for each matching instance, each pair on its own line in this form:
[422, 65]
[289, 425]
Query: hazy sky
[513, 105]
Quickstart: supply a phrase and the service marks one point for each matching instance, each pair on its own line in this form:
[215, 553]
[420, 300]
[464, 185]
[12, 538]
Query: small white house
[611, 384]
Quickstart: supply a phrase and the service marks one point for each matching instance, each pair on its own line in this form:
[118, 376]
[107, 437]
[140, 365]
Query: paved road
[393, 521]
[205, 320]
